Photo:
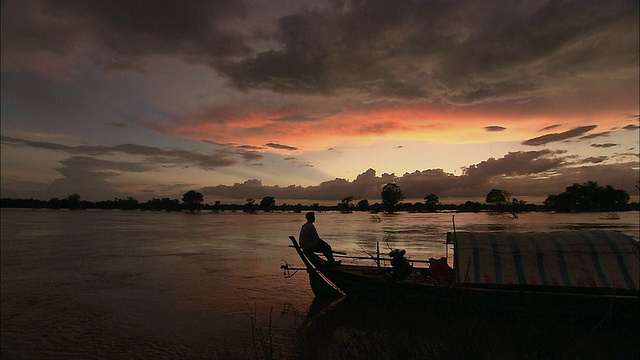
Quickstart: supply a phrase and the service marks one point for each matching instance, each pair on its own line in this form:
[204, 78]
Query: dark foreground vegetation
[585, 197]
[349, 329]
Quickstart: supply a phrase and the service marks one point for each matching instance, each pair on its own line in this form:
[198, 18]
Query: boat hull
[375, 283]
[362, 283]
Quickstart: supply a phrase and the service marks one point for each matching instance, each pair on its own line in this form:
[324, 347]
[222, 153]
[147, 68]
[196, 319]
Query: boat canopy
[583, 259]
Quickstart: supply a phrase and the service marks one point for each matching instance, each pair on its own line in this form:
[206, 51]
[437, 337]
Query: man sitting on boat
[310, 241]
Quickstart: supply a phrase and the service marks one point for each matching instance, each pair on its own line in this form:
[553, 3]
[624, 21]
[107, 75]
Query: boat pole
[446, 249]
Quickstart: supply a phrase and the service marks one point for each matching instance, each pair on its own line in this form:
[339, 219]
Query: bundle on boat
[580, 272]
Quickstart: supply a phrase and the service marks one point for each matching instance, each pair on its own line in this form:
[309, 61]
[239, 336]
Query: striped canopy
[585, 259]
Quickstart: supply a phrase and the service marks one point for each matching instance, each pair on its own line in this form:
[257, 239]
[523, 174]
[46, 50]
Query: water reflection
[96, 284]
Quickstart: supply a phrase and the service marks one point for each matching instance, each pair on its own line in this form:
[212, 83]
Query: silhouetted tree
[74, 203]
[54, 203]
[588, 197]
[192, 200]
[392, 197]
[250, 205]
[363, 205]
[345, 205]
[497, 196]
[501, 199]
[375, 208]
[267, 203]
[431, 201]
[125, 204]
[470, 206]
[164, 204]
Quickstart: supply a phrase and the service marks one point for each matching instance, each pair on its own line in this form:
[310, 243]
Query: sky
[316, 101]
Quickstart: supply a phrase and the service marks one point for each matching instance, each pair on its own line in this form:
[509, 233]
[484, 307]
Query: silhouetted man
[311, 242]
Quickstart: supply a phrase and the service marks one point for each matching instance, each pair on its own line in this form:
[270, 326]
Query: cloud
[555, 137]
[118, 125]
[250, 156]
[596, 135]
[452, 52]
[458, 53]
[152, 154]
[379, 127]
[530, 173]
[352, 69]
[550, 127]
[595, 160]
[246, 147]
[515, 164]
[131, 32]
[606, 145]
[476, 181]
[280, 146]
[87, 175]
[297, 118]
[412, 55]
[548, 175]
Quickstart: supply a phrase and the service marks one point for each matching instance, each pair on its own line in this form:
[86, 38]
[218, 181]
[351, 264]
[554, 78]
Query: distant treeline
[577, 198]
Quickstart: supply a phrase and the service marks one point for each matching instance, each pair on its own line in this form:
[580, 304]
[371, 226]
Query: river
[118, 284]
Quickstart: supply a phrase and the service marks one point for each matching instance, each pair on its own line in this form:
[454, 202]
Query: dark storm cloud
[40, 98]
[555, 137]
[130, 30]
[159, 155]
[495, 128]
[343, 46]
[458, 52]
[461, 52]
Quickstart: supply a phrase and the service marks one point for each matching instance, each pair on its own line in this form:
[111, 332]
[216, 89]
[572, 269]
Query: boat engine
[400, 264]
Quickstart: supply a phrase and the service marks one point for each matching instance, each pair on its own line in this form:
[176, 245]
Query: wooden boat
[586, 273]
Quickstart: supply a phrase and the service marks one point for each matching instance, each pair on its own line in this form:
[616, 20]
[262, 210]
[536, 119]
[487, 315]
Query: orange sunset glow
[252, 99]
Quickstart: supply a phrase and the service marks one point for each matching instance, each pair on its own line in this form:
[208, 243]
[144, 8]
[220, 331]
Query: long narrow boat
[586, 273]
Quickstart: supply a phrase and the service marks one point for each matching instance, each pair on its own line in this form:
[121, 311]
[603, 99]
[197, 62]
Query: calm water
[112, 284]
